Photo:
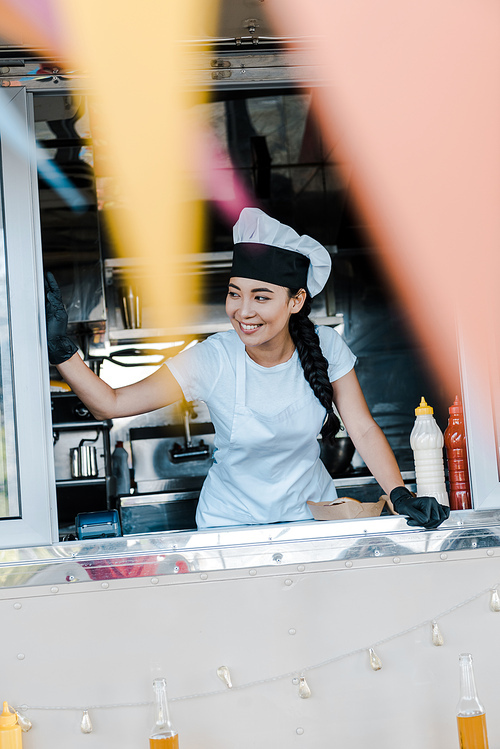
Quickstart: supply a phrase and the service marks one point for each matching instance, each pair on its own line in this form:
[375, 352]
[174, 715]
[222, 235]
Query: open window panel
[27, 497]
[480, 374]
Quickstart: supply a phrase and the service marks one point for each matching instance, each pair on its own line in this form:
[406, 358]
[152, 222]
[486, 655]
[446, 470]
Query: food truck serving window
[28, 516]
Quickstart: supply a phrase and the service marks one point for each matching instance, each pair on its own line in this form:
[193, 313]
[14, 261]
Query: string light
[23, 721]
[225, 676]
[86, 724]
[374, 660]
[494, 599]
[437, 637]
[304, 690]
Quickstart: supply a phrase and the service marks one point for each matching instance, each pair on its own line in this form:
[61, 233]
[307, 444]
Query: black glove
[424, 511]
[60, 346]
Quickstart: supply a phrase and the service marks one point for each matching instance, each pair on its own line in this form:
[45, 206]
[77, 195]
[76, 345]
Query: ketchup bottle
[456, 453]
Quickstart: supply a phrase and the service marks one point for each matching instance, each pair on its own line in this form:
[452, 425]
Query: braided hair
[313, 362]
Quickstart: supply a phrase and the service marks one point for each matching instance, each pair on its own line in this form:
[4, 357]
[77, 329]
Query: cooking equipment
[164, 511]
[84, 460]
[168, 476]
[131, 308]
[154, 469]
[189, 451]
[105, 524]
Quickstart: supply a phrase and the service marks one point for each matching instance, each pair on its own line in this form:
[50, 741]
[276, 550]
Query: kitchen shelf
[190, 264]
[81, 425]
[205, 318]
[136, 500]
[131, 335]
[351, 481]
[81, 482]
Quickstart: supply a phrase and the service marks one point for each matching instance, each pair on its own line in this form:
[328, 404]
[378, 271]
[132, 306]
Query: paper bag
[347, 508]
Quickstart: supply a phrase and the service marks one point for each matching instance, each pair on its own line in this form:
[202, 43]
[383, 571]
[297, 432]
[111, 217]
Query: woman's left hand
[421, 511]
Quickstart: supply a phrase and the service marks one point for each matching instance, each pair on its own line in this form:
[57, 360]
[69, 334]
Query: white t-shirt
[207, 372]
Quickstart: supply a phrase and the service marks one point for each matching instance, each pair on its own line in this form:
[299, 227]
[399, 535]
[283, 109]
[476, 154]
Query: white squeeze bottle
[427, 442]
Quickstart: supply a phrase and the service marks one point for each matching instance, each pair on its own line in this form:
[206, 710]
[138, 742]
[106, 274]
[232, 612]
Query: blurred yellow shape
[135, 56]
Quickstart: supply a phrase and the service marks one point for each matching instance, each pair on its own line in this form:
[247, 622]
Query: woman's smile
[247, 328]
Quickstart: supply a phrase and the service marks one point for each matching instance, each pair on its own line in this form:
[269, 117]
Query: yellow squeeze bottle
[10, 731]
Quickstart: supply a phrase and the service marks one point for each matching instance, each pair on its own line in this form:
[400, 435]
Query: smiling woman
[270, 384]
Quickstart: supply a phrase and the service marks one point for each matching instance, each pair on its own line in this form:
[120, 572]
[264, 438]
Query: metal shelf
[122, 335]
[204, 319]
[350, 481]
[78, 425]
[185, 265]
[81, 482]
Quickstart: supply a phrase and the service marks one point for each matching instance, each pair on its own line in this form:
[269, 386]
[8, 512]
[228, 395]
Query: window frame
[482, 418]
[37, 524]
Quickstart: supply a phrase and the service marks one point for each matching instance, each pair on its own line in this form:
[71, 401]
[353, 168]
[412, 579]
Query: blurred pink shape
[32, 23]
[219, 182]
[412, 94]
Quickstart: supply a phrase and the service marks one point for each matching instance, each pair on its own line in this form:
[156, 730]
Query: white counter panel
[101, 643]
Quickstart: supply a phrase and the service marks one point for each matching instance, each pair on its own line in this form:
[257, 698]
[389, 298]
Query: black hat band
[263, 262]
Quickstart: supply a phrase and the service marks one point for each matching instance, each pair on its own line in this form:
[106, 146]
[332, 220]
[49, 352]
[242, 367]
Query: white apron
[271, 467]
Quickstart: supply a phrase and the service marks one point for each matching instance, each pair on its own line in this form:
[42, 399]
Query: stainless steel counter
[247, 550]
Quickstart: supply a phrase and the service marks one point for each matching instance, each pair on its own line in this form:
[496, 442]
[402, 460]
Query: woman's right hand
[61, 347]
[104, 402]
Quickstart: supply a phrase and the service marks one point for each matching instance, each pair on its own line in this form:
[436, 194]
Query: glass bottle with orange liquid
[471, 717]
[163, 735]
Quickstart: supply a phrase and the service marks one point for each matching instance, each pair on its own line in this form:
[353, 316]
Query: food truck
[301, 634]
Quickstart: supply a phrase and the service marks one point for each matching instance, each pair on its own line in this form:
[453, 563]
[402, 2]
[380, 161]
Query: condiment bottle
[163, 735]
[426, 440]
[471, 718]
[456, 454]
[10, 730]
[120, 470]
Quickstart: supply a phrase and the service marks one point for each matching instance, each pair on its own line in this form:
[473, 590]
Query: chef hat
[267, 250]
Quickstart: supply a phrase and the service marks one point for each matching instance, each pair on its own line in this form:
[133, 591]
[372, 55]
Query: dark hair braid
[314, 364]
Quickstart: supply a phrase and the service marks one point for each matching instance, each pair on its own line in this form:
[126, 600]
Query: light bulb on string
[437, 637]
[225, 675]
[304, 690]
[494, 600]
[22, 720]
[375, 661]
[86, 724]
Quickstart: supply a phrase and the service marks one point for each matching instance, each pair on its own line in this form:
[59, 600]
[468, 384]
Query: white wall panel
[88, 645]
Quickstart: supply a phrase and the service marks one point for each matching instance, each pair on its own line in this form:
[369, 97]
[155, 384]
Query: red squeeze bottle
[456, 453]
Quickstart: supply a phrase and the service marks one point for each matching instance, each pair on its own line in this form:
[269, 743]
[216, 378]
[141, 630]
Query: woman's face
[260, 311]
